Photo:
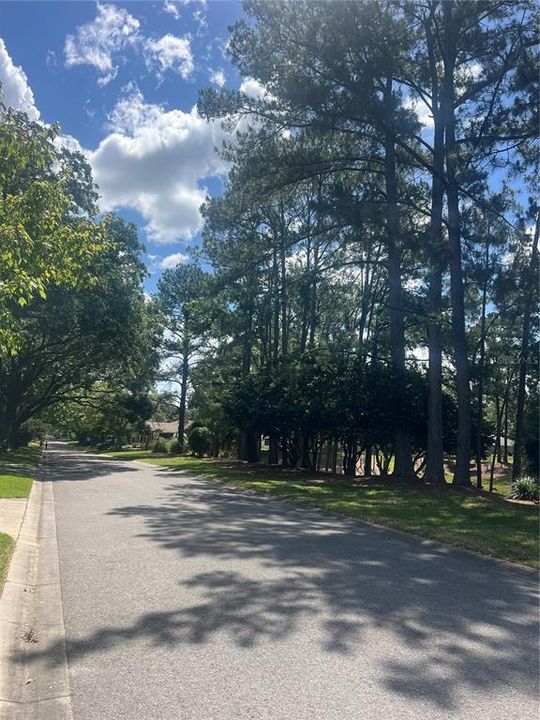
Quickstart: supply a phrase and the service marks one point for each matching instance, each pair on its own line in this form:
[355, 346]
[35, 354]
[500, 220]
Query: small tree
[199, 441]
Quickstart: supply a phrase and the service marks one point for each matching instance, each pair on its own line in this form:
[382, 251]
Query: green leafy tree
[79, 336]
[181, 295]
[47, 236]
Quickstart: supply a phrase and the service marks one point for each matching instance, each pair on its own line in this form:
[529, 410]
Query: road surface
[187, 600]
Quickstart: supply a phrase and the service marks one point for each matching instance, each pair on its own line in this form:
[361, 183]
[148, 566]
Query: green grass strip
[6, 549]
[14, 485]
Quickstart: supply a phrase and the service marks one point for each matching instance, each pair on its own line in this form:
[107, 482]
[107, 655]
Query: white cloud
[253, 88]
[200, 18]
[97, 42]
[217, 77]
[422, 111]
[15, 89]
[198, 14]
[172, 8]
[170, 53]
[69, 143]
[153, 161]
[173, 260]
[102, 43]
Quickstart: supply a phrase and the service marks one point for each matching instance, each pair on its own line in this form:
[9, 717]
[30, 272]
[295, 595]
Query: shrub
[526, 488]
[199, 441]
[23, 437]
[172, 446]
[160, 446]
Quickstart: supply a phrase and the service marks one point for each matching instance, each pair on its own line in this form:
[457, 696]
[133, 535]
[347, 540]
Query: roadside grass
[14, 485]
[487, 525]
[15, 481]
[130, 454]
[6, 549]
[502, 477]
[22, 456]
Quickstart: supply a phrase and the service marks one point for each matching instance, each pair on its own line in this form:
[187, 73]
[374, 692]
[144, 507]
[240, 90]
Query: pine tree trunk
[481, 368]
[402, 446]
[368, 462]
[435, 448]
[504, 459]
[335, 456]
[463, 390]
[183, 402]
[528, 289]
[273, 450]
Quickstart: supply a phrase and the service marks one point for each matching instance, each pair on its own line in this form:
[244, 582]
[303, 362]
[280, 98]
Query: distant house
[165, 430]
[509, 444]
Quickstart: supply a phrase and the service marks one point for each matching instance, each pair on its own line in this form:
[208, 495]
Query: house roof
[163, 427]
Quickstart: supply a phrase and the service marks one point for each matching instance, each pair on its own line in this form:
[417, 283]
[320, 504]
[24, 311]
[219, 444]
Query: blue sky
[122, 79]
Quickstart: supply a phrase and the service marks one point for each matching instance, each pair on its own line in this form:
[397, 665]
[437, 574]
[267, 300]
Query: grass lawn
[130, 454]
[6, 548]
[22, 456]
[14, 484]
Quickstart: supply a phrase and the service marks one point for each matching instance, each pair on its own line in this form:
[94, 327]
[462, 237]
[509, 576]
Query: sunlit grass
[6, 548]
[130, 454]
[14, 485]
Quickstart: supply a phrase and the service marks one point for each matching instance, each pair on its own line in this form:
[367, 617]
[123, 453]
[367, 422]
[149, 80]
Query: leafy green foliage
[160, 445]
[199, 441]
[526, 488]
[172, 446]
[88, 340]
[334, 397]
[48, 238]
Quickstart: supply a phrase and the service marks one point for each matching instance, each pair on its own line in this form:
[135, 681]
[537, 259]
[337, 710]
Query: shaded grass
[502, 477]
[6, 549]
[132, 454]
[488, 525]
[14, 485]
[22, 456]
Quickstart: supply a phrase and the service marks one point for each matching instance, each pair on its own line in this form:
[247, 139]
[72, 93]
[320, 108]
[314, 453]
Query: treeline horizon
[349, 235]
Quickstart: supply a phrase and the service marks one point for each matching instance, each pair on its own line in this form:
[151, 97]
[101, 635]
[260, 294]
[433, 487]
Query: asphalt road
[187, 600]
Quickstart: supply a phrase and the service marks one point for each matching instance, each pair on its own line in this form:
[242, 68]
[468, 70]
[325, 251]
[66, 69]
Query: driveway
[188, 600]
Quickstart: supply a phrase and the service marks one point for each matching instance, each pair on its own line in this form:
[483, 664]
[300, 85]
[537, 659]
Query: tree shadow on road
[435, 622]
[65, 466]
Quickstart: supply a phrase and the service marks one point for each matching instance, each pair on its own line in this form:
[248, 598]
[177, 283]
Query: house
[165, 430]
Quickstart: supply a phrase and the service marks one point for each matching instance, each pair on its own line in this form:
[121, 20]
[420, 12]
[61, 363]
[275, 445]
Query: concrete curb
[34, 681]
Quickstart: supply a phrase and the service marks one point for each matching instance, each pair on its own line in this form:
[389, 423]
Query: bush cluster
[526, 488]
[199, 441]
[160, 445]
